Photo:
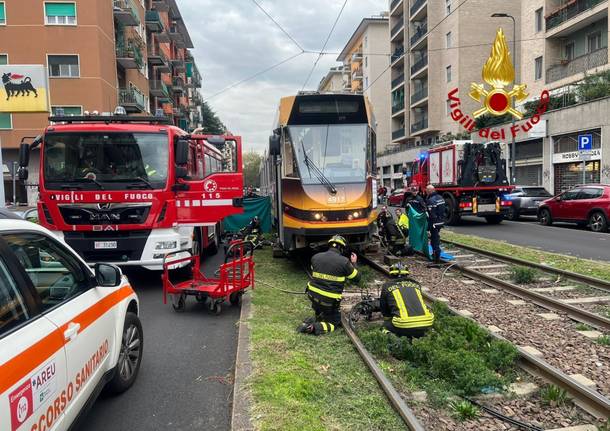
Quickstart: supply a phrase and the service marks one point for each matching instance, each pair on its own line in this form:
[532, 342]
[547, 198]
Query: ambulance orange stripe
[19, 366]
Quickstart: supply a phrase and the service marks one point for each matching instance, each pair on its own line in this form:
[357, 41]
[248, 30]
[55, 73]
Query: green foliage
[489, 120]
[604, 426]
[524, 275]
[553, 395]
[594, 86]
[603, 340]
[582, 327]
[605, 311]
[453, 137]
[555, 102]
[456, 351]
[463, 410]
[211, 123]
[252, 164]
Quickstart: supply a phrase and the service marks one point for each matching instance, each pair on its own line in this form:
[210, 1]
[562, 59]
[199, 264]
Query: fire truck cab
[128, 190]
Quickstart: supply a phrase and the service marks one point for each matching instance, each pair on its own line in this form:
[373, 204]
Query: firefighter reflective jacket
[403, 222]
[401, 300]
[330, 271]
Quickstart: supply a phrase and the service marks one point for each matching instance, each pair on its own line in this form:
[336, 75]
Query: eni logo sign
[24, 88]
[498, 96]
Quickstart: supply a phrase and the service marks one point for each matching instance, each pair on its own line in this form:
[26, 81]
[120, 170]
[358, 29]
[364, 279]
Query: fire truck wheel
[235, 298]
[452, 212]
[179, 303]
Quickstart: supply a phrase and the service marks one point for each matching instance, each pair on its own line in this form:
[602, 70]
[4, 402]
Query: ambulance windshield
[113, 161]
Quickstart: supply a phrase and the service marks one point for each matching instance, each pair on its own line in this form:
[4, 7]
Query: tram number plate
[105, 245]
[485, 208]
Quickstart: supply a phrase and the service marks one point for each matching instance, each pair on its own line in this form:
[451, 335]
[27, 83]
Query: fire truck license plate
[105, 245]
[487, 208]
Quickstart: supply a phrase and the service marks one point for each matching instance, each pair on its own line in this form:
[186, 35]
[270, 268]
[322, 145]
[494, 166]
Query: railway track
[491, 269]
[588, 399]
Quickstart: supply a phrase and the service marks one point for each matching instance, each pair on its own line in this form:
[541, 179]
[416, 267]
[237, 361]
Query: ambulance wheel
[235, 298]
[130, 356]
[180, 303]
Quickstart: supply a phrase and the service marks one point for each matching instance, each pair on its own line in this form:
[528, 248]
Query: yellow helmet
[338, 239]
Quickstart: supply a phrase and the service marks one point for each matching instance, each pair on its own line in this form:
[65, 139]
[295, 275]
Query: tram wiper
[311, 166]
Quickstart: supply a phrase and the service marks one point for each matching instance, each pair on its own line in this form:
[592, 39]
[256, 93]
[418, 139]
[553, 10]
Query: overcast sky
[234, 39]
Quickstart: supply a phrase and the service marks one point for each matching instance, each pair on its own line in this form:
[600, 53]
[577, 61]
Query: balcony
[569, 11]
[178, 84]
[129, 56]
[357, 57]
[398, 81]
[357, 74]
[394, 4]
[416, 6]
[419, 64]
[133, 101]
[176, 36]
[578, 65]
[178, 64]
[156, 57]
[420, 94]
[419, 33]
[159, 89]
[397, 107]
[178, 112]
[160, 5]
[398, 27]
[126, 12]
[397, 54]
[420, 125]
[398, 134]
[153, 21]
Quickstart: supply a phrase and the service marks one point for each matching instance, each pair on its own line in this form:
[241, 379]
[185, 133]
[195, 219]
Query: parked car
[396, 198]
[8, 214]
[584, 205]
[66, 331]
[525, 201]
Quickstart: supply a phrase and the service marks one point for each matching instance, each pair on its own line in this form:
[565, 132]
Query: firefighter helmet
[337, 240]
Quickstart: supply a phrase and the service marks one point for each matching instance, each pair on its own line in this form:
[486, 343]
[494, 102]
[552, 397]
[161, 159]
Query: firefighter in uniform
[330, 271]
[403, 307]
[402, 221]
[435, 205]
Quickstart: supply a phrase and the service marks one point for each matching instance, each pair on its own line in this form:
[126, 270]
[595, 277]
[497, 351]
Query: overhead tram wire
[251, 77]
[279, 26]
[324, 47]
[428, 33]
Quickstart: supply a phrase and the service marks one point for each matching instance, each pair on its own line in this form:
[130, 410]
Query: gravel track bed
[561, 346]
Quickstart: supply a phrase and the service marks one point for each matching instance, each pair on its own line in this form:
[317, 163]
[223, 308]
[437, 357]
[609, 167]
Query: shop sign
[575, 156]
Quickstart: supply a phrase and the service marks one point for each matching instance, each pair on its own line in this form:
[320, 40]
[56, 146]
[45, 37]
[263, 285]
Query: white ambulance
[66, 331]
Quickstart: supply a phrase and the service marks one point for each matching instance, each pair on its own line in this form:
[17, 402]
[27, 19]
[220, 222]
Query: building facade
[99, 55]
[365, 65]
[334, 80]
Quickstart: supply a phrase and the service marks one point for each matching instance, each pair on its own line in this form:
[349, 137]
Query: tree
[210, 121]
[252, 164]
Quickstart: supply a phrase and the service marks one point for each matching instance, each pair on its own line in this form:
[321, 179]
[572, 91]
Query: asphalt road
[185, 381]
[559, 238]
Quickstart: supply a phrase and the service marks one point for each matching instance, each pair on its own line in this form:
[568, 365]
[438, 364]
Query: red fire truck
[472, 178]
[129, 190]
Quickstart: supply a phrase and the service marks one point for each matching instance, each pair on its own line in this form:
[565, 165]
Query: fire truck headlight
[166, 245]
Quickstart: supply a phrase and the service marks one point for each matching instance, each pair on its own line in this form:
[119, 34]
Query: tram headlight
[317, 216]
[356, 214]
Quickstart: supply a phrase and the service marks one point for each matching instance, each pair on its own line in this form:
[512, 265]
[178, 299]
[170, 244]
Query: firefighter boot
[306, 328]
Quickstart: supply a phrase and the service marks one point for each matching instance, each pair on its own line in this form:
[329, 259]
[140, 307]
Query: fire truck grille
[94, 214]
[129, 245]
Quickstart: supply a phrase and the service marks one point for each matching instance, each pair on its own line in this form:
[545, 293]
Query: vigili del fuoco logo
[497, 99]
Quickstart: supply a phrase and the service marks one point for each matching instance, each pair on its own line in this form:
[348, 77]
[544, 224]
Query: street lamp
[513, 150]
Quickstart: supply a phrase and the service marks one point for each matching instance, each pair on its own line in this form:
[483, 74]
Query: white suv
[66, 332]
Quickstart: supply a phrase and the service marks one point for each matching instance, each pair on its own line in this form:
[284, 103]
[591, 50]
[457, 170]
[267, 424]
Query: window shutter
[60, 9]
[2, 15]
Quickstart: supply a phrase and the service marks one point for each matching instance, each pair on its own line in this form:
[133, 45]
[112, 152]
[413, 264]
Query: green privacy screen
[260, 207]
[60, 9]
[418, 231]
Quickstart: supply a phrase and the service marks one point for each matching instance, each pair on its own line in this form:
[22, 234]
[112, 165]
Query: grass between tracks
[568, 263]
[302, 382]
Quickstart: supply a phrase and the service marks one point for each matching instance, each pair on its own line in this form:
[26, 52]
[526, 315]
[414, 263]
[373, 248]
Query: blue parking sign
[585, 142]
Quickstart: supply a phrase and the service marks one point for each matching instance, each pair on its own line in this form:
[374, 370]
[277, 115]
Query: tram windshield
[337, 151]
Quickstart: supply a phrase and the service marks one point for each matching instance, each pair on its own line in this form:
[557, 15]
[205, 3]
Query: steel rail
[589, 400]
[595, 282]
[395, 399]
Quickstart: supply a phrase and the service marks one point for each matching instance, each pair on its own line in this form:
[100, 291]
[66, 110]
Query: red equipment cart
[234, 276]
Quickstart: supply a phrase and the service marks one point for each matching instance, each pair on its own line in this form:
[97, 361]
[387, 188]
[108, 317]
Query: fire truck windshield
[112, 161]
[338, 151]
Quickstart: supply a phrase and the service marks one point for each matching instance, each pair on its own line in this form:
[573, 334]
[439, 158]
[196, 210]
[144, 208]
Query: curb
[240, 415]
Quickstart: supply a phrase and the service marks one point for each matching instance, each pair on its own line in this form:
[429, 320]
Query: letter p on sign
[585, 142]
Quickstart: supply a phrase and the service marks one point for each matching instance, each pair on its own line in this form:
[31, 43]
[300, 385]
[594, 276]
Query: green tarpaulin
[260, 207]
[418, 231]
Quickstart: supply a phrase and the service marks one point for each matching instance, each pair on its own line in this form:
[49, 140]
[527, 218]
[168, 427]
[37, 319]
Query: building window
[448, 73]
[67, 110]
[538, 68]
[448, 39]
[63, 66]
[366, 82]
[594, 41]
[448, 107]
[539, 20]
[448, 6]
[366, 61]
[2, 13]
[568, 51]
[365, 43]
[60, 13]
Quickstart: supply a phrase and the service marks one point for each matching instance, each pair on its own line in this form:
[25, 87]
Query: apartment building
[436, 46]
[132, 53]
[365, 61]
[562, 42]
[334, 80]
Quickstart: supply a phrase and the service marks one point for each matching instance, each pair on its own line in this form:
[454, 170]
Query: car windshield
[106, 160]
[338, 151]
[536, 192]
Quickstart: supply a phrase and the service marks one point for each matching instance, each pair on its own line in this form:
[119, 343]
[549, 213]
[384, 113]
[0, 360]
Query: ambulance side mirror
[274, 145]
[107, 275]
